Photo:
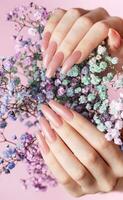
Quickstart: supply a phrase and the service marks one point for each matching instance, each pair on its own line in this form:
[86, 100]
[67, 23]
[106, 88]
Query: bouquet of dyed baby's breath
[24, 87]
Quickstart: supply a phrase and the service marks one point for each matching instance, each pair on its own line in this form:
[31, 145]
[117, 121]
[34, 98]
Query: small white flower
[101, 50]
[37, 15]
[114, 60]
[32, 31]
[121, 95]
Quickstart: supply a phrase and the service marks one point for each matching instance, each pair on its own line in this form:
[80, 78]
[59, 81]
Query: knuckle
[104, 144]
[92, 158]
[56, 36]
[74, 11]
[109, 185]
[102, 26]
[59, 10]
[103, 10]
[86, 20]
[78, 194]
[65, 180]
[80, 174]
[66, 46]
[118, 19]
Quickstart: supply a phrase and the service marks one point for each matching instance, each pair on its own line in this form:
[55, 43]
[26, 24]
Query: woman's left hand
[77, 153]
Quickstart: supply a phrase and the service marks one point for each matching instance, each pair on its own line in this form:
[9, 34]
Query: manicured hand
[77, 153]
[70, 36]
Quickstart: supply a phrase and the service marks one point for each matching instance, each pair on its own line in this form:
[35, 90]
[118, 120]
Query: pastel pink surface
[10, 187]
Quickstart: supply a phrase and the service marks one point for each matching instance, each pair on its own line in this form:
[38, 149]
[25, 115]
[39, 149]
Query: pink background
[10, 187]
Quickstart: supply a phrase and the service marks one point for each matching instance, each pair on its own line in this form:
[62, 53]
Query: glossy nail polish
[47, 130]
[49, 53]
[51, 116]
[42, 143]
[45, 41]
[54, 64]
[70, 61]
[61, 110]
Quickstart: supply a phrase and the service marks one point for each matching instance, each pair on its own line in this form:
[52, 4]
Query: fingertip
[54, 64]
[73, 59]
[114, 39]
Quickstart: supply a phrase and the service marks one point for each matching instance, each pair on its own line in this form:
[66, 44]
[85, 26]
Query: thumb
[114, 40]
[115, 43]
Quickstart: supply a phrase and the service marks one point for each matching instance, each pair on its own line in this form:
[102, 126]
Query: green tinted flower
[114, 60]
[103, 65]
[78, 90]
[96, 105]
[82, 99]
[65, 82]
[74, 71]
[85, 80]
[103, 95]
[96, 119]
[91, 97]
[101, 127]
[103, 107]
[70, 92]
[95, 80]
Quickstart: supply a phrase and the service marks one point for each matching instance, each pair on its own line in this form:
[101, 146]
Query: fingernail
[49, 53]
[70, 61]
[45, 41]
[115, 38]
[54, 64]
[42, 143]
[47, 130]
[51, 116]
[61, 110]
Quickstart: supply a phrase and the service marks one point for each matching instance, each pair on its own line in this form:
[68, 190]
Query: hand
[70, 36]
[77, 153]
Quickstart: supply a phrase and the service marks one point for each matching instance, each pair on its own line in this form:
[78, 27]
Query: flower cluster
[24, 87]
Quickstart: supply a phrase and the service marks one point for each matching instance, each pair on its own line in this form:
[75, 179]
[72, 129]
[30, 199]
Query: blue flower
[3, 124]
[9, 152]
[11, 115]
[10, 165]
[1, 161]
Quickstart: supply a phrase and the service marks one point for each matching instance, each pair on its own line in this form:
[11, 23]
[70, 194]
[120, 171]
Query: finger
[61, 30]
[65, 24]
[108, 150]
[50, 26]
[114, 40]
[79, 29]
[96, 35]
[58, 171]
[70, 41]
[65, 157]
[115, 43]
[81, 149]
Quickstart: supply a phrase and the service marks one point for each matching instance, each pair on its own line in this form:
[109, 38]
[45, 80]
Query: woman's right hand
[70, 36]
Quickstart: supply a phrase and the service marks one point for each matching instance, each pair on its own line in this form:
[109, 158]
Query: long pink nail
[61, 110]
[49, 53]
[70, 61]
[54, 64]
[47, 130]
[45, 41]
[43, 145]
[51, 116]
